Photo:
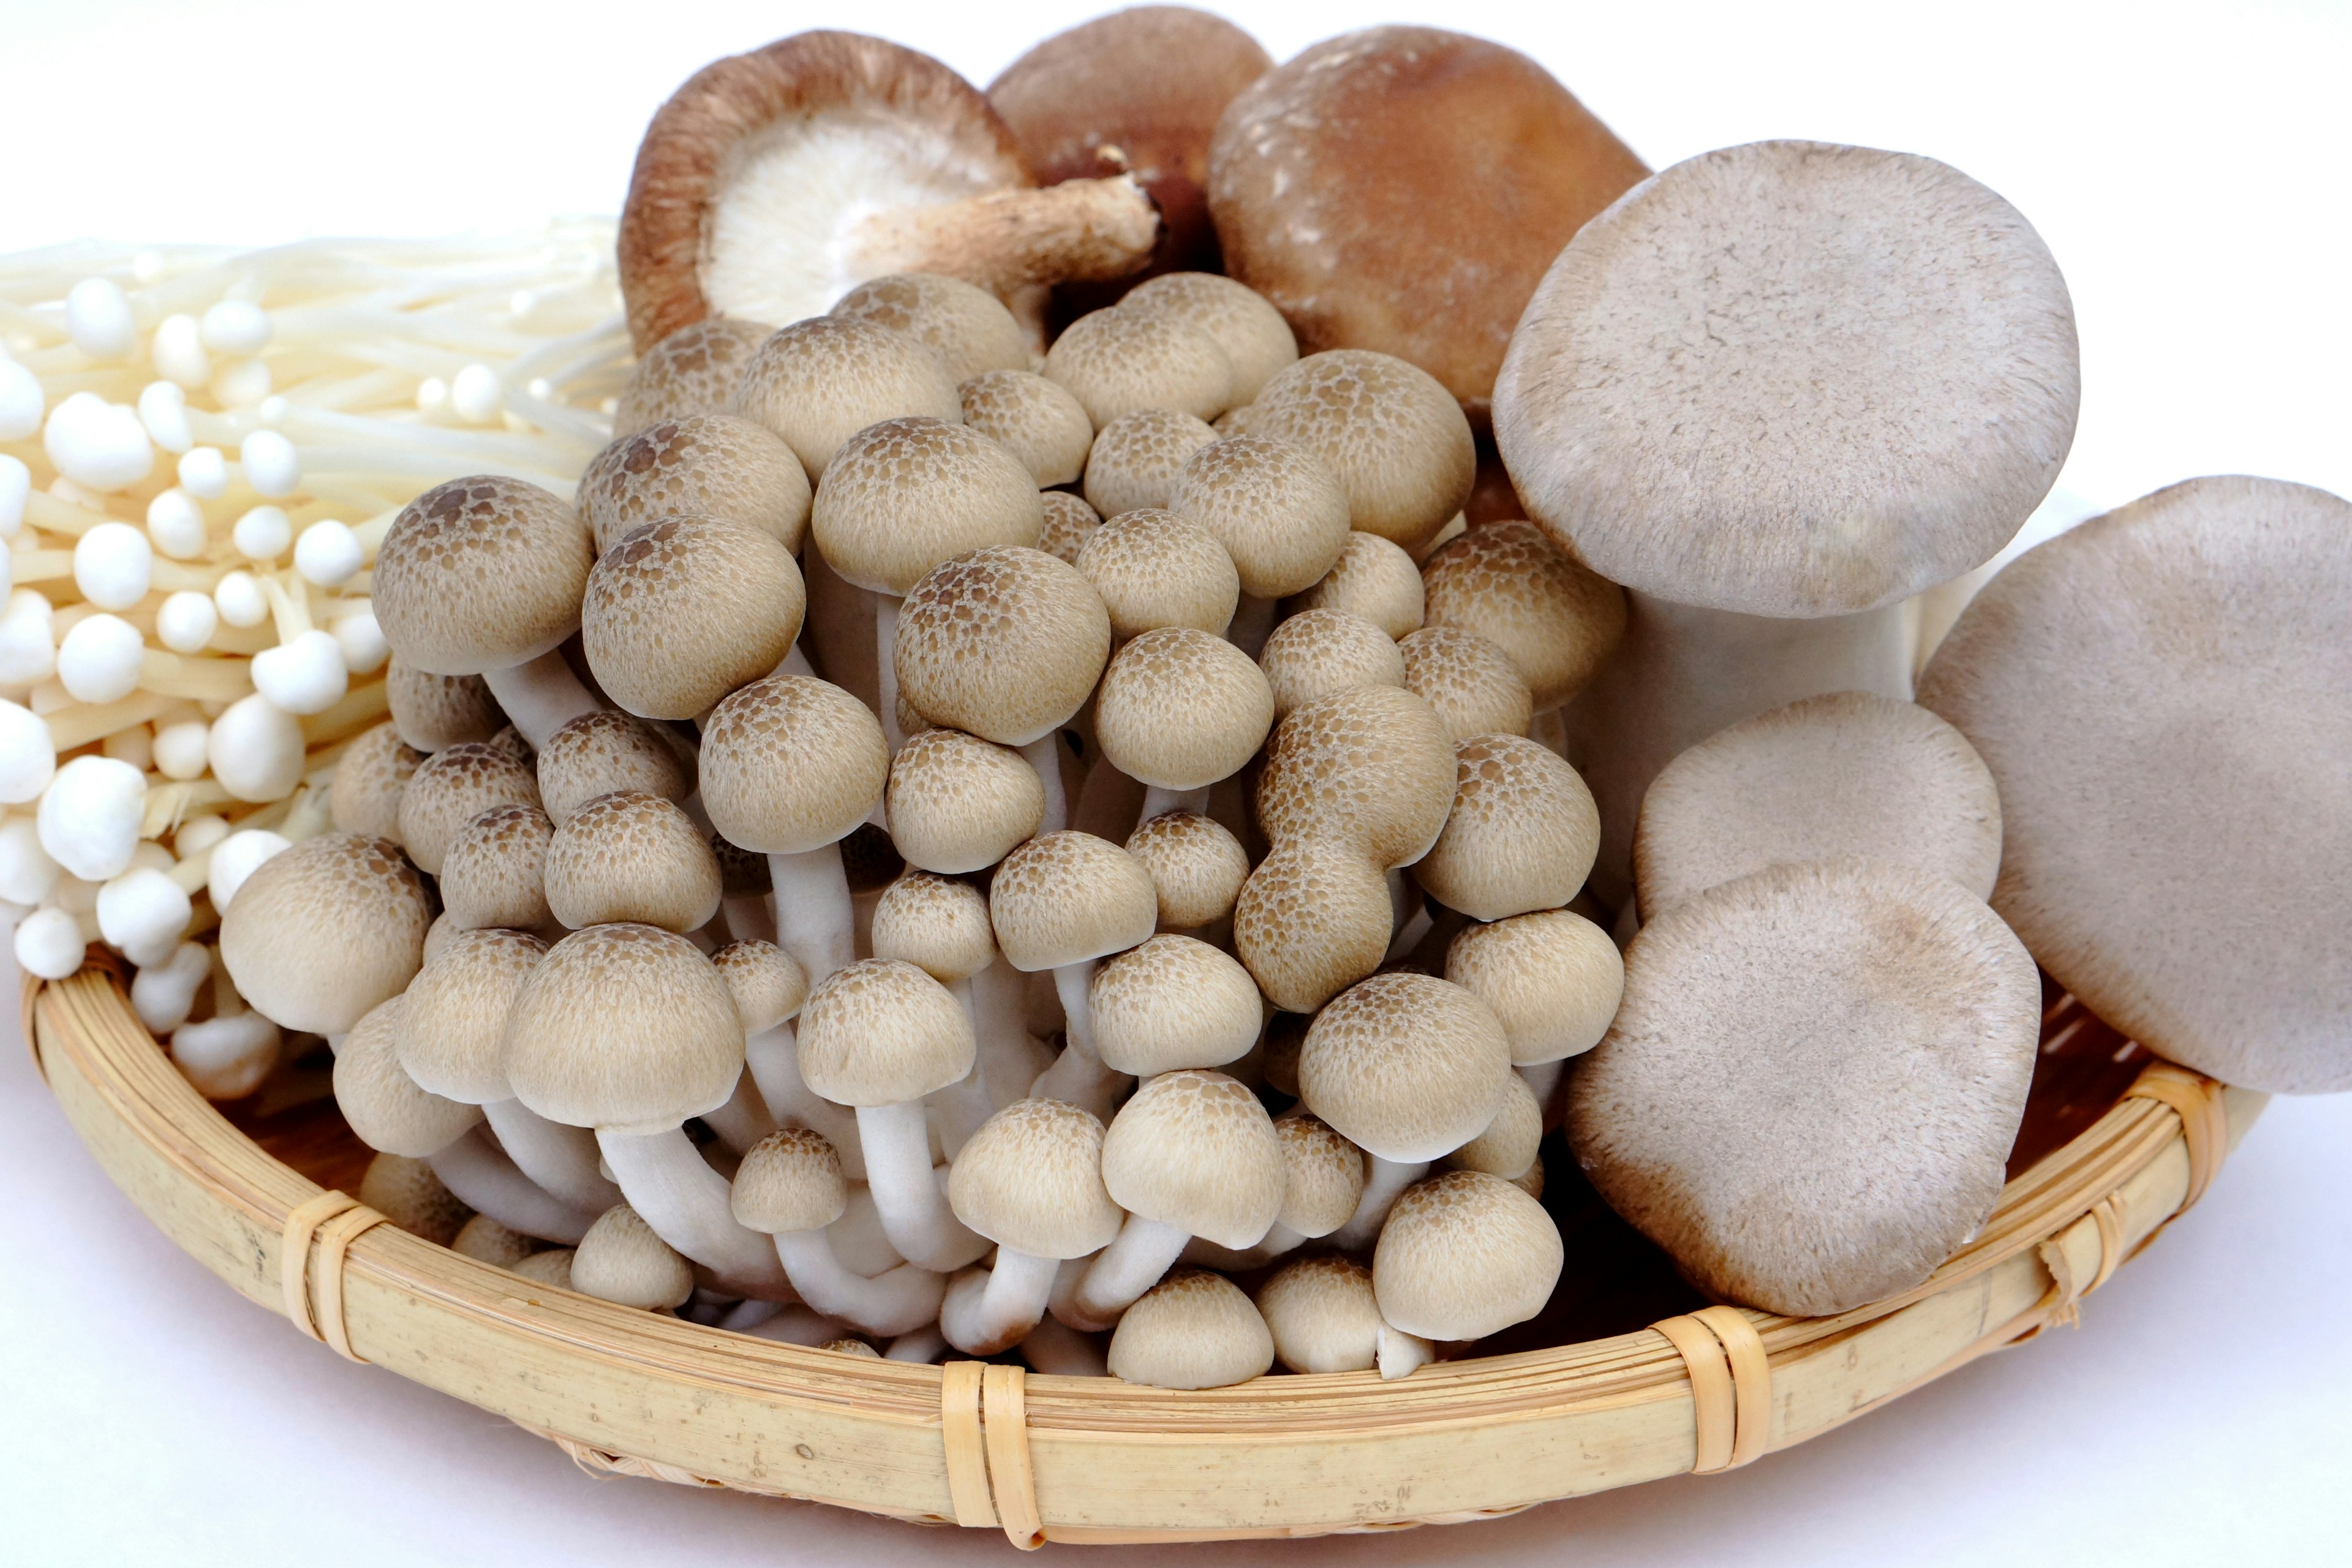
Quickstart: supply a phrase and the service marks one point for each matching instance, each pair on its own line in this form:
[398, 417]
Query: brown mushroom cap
[1508, 1145]
[2162, 695]
[1181, 709]
[902, 495]
[1193, 1330]
[958, 803]
[622, 1260]
[1469, 682]
[1116, 360]
[434, 712]
[1553, 978]
[769, 985]
[1273, 503]
[1404, 189]
[1034, 419]
[364, 797]
[452, 787]
[1173, 1002]
[1031, 1178]
[1322, 1314]
[1156, 569]
[968, 328]
[1812, 1088]
[1891, 340]
[1394, 438]
[790, 1181]
[628, 856]
[382, 1104]
[321, 933]
[449, 1032]
[1069, 520]
[694, 369]
[599, 753]
[1069, 897]
[1845, 773]
[1258, 342]
[1005, 643]
[1136, 458]
[819, 382]
[682, 611]
[1507, 582]
[1312, 920]
[1405, 1065]
[1197, 867]
[1522, 836]
[936, 923]
[703, 464]
[1196, 1151]
[791, 765]
[1465, 1255]
[1375, 578]
[881, 1032]
[1373, 766]
[480, 574]
[1323, 1173]
[494, 872]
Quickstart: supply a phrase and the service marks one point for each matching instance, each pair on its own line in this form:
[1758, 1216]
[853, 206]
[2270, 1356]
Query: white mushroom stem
[540, 696]
[674, 1191]
[1253, 623]
[1078, 1075]
[797, 1325]
[1384, 1182]
[815, 921]
[1007, 1053]
[1158, 802]
[486, 1181]
[1055, 1349]
[906, 1298]
[992, 1310]
[1279, 1238]
[915, 1214]
[1400, 1352]
[957, 1111]
[1045, 754]
[1684, 673]
[748, 918]
[1144, 1251]
[886, 670]
[773, 1058]
[559, 1159]
[744, 1119]
[923, 1346]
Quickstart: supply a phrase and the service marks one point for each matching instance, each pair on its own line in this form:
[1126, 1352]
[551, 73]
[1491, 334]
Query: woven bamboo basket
[1627, 1377]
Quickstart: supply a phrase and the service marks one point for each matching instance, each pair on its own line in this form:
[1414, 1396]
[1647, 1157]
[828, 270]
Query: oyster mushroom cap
[1394, 439]
[904, 495]
[321, 933]
[681, 611]
[1506, 581]
[479, 575]
[1522, 836]
[698, 465]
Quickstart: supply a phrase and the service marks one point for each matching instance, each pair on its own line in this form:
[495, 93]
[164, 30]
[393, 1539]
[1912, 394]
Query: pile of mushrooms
[1010, 810]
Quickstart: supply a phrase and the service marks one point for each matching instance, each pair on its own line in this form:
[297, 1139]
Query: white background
[2188, 166]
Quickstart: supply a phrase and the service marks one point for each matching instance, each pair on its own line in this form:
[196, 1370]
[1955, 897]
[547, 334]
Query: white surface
[2185, 165]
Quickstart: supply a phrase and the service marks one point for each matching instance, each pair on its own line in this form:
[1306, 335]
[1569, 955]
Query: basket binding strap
[334, 1220]
[2204, 1122]
[1731, 1385]
[984, 1426]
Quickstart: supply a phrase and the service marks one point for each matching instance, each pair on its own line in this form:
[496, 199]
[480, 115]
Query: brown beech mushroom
[1256, 340]
[1155, 569]
[1468, 679]
[2162, 694]
[1388, 432]
[1324, 1316]
[1374, 578]
[495, 872]
[1521, 836]
[1034, 419]
[683, 610]
[1314, 918]
[1552, 977]
[957, 803]
[694, 369]
[1465, 1255]
[774, 181]
[1064, 902]
[599, 753]
[1277, 507]
[1554, 619]
[321, 933]
[968, 328]
[819, 382]
[1179, 710]
[1896, 347]
[1194, 1330]
[1136, 457]
[1070, 521]
[702, 465]
[1373, 767]
[1402, 189]
[629, 856]
[1197, 868]
[364, 797]
[434, 712]
[1117, 361]
[450, 789]
[1321, 653]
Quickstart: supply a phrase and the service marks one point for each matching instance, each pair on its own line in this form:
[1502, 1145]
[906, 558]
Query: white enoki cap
[1193, 1330]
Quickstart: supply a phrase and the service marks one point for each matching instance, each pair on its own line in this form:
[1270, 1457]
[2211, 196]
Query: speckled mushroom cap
[902, 495]
[1469, 682]
[1892, 340]
[433, 712]
[623, 1261]
[1523, 834]
[1908, 1012]
[1031, 1178]
[1069, 897]
[789, 1181]
[1373, 766]
[1196, 1151]
[408, 1194]
[364, 797]
[704, 465]
[1197, 867]
[791, 764]
[495, 871]
[1193, 1330]
[1068, 520]
[1136, 458]
[1034, 419]
[1005, 644]
[1375, 578]
[968, 328]
[1323, 1173]
[1465, 1255]
[599, 753]
[2162, 694]
[382, 1104]
[1394, 439]
[1845, 773]
[1322, 1314]
[629, 856]
[1321, 653]
[769, 985]
[1173, 1002]
[485, 1240]
[1553, 978]
[881, 1032]
[1273, 504]
[480, 574]
[693, 370]
[1508, 1145]
[449, 1035]
[1507, 582]
[625, 1028]
[1258, 342]
[1312, 920]
[1115, 362]
[1156, 569]
[958, 803]
[321, 933]
[819, 382]
[936, 923]
[1181, 709]
[681, 612]
[1406, 1066]
[452, 787]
